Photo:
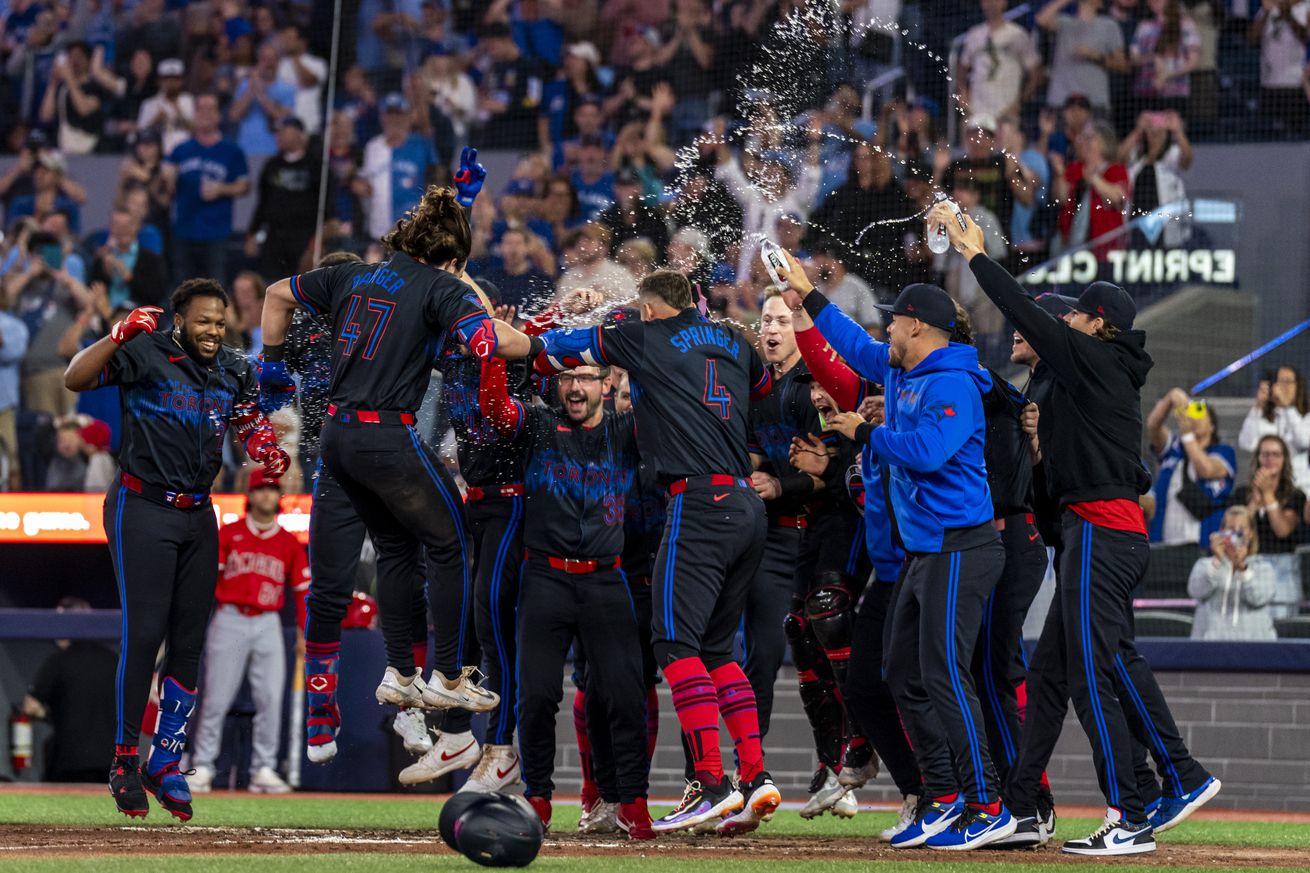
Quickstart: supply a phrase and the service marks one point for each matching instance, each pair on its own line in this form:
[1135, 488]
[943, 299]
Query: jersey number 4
[716, 396]
[352, 332]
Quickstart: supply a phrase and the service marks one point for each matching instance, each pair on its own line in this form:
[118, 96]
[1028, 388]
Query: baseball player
[181, 390]
[390, 319]
[257, 562]
[1090, 438]
[691, 382]
[933, 444]
[580, 462]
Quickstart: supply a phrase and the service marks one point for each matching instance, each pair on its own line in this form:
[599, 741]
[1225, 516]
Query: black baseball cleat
[170, 788]
[1027, 834]
[1115, 837]
[125, 786]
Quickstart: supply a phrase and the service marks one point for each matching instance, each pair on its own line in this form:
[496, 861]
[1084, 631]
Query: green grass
[409, 813]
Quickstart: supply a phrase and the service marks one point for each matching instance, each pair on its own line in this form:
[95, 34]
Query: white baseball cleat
[266, 781]
[462, 692]
[322, 753]
[450, 752]
[825, 791]
[412, 727]
[908, 811]
[403, 691]
[846, 806]
[497, 771]
[201, 780]
[599, 818]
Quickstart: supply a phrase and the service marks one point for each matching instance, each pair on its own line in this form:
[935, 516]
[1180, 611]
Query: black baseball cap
[1108, 301]
[1056, 304]
[928, 303]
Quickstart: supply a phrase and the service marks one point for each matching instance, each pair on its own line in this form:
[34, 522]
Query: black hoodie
[1091, 426]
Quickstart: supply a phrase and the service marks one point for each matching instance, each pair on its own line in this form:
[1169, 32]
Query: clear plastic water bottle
[774, 261]
[938, 241]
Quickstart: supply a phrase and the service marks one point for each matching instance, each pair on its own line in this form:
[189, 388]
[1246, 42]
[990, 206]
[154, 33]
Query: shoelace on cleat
[693, 788]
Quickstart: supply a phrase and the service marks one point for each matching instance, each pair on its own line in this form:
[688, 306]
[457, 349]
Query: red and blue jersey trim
[762, 386]
[300, 296]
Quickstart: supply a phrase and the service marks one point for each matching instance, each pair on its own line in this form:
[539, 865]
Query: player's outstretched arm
[279, 305]
[866, 356]
[87, 367]
[512, 343]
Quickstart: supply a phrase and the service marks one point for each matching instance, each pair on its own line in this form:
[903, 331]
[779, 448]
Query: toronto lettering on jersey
[550, 471]
[705, 335]
[173, 399]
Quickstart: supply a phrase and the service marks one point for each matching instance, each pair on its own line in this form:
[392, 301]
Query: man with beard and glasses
[181, 391]
[580, 461]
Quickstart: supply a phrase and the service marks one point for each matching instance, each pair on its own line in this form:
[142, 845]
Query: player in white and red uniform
[257, 561]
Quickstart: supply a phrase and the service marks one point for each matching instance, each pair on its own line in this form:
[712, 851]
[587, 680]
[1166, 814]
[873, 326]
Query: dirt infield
[18, 841]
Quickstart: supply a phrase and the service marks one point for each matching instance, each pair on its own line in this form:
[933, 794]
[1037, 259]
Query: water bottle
[938, 241]
[774, 260]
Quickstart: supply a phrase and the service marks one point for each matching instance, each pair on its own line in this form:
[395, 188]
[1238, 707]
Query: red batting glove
[263, 449]
[143, 319]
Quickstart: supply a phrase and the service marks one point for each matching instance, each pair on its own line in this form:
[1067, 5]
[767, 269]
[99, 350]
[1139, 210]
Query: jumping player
[933, 443]
[691, 382]
[390, 320]
[1090, 434]
[181, 391]
[580, 463]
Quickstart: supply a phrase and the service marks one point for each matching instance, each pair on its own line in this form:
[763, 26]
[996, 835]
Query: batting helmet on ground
[503, 831]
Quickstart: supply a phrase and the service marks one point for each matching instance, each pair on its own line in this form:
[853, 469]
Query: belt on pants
[714, 480]
[369, 416]
[248, 611]
[474, 493]
[575, 566]
[1000, 522]
[797, 521]
[175, 499]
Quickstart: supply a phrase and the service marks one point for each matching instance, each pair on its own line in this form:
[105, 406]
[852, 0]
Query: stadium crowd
[1071, 119]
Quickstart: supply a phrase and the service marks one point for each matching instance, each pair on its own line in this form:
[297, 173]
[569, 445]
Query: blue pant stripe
[496, 634]
[1140, 705]
[989, 680]
[457, 519]
[952, 590]
[857, 544]
[122, 599]
[1089, 670]
[675, 524]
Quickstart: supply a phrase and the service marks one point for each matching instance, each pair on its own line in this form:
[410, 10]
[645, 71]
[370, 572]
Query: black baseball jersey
[692, 381]
[308, 352]
[786, 412]
[643, 521]
[485, 458]
[176, 410]
[1009, 466]
[390, 321]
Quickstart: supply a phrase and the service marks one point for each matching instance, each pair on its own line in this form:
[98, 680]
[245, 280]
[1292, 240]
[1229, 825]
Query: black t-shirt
[577, 481]
[176, 410]
[485, 458]
[288, 197]
[1009, 465]
[76, 685]
[93, 122]
[391, 321]
[785, 413]
[692, 381]
[1270, 542]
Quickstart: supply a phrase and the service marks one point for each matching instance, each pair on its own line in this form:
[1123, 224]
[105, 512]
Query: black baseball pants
[410, 506]
[935, 624]
[998, 661]
[763, 640]
[597, 610]
[869, 699]
[336, 535]
[166, 564]
[497, 525]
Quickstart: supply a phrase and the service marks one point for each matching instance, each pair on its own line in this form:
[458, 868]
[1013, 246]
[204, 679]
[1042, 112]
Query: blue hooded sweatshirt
[933, 438]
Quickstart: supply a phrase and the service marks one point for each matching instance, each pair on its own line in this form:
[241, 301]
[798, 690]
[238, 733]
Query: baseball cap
[170, 67]
[586, 51]
[520, 188]
[259, 479]
[53, 160]
[982, 122]
[292, 121]
[1077, 100]
[498, 30]
[1056, 304]
[96, 433]
[928, 303]
[395, 102]
[1108, 301]
[927, 104]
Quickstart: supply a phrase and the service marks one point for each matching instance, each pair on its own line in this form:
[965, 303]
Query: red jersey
[256, 567]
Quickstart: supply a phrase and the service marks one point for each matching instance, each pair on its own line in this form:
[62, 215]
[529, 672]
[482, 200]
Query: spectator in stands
[247, 311]
[511, 90]
[13, 346]
[829, 260]
[127, 269]
[687, 56]
[19, 178]
[1278, 507]
[151, 27]
[536, 32]
[642, 147]
[451, 90]
[575, 85]
[101, 468]
[262, 100]
[359, 102]
[1092, 191]
[522, 275]
[1157, 153]
[287, 211]
[1195, 473]
[143, 168]
[1165, 50]
[48, 193]
[66, 472]
[1000, 67]
[206, 173]
[1280, 29]
[75, 102]
[1234, 585]
[1075, 117]
[630, 218]
[1282, 409]
[632, 26]
[1027, 220]
[133, 90]
[517, 207]
[637, 256]
[137, 202]
[74, 691]
[31, 61]
[398, 166]
[58, 223]
[305, 73]
[587, 267]
[170, 112]
[999, 177]
[690, 253]
[559, 208]
[907, 130]
[1203, 105]
[986, 321]
[1088, 47]
[593, 183]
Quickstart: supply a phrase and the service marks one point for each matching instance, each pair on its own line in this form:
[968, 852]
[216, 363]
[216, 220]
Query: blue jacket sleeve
[867, 356]
[13, 339]
[947, 421]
